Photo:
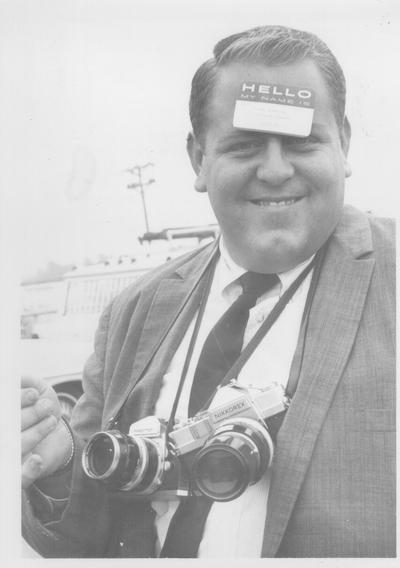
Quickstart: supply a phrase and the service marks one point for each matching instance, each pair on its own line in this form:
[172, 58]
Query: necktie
[221, 348]
[224, 342]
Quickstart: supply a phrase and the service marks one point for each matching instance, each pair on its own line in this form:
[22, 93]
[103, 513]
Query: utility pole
[140, 185]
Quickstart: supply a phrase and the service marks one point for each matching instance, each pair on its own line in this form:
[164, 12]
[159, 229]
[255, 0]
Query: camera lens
[125, 463]
[152, 468]
[101, 456]
[112, 457]
[234, 458]
[220, 474]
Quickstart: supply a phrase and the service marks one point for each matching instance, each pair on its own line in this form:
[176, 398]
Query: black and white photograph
[198, 230]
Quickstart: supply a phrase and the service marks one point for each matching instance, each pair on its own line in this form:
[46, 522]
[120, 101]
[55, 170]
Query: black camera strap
[263, 330]
[203, 303]
[259, 335]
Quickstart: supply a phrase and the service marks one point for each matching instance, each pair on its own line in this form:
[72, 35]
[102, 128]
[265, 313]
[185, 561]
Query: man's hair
[270, 45]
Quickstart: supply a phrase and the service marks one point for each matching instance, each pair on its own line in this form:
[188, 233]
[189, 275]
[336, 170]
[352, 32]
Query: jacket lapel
[333, 322]
[172, 308]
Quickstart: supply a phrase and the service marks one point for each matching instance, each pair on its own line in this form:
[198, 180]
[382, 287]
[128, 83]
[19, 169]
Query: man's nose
[274, 168]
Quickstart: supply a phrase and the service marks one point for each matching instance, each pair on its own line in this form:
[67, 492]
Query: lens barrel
[235, 457]
[125, 463]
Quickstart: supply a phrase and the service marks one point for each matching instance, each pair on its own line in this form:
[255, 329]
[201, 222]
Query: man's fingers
[32, 436]
[34, 413]
[28, 397]
[31, 470]
[33, 382]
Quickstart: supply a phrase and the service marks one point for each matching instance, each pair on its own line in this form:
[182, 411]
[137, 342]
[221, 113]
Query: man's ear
[345, 138]
[196, 156]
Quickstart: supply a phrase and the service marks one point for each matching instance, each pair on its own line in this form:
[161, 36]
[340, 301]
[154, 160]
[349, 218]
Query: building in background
[59, 317]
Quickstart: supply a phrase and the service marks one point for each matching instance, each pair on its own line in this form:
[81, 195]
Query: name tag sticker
[274, 108]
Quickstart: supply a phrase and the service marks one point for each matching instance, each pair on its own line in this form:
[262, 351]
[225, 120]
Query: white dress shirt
[235, 528]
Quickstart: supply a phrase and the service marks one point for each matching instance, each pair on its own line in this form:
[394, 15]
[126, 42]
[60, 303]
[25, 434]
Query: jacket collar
[354, 233]
[318, 365]
[171, 308]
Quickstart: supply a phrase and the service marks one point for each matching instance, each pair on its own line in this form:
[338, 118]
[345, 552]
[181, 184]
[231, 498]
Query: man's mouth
[275, 202]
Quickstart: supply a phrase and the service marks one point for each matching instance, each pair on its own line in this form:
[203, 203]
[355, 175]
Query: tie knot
[255, 284]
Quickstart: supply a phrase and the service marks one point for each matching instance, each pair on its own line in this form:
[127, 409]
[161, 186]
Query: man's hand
[45, 442]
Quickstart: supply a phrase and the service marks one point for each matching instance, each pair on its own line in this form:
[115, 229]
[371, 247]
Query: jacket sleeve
[76, 526]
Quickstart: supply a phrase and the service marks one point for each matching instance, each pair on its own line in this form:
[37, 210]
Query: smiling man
[276, 342]
[277, 198]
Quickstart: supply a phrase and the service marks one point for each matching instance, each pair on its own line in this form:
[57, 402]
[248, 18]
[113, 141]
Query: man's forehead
[278, 82]
[274, 108]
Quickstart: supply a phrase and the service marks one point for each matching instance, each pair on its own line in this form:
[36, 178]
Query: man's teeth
[267, 203]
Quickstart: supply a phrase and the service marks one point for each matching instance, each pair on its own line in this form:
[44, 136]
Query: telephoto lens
[123, 462]
[235, 457]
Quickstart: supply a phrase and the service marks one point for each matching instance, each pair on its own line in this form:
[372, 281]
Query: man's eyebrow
[237, 133]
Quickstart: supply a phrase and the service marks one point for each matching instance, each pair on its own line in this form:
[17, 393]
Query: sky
[90, 88]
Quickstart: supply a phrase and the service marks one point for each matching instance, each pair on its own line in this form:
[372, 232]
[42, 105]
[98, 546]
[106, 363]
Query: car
[60, 364]
[60, 317]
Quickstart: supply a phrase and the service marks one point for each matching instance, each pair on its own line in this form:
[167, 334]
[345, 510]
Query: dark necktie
[224, 342]
[221, 349]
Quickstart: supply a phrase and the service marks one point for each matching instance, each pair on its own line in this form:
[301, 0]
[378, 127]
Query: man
[275, 179]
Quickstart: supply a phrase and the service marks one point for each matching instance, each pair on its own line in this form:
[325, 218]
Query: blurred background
[100, 86]
[96, 187]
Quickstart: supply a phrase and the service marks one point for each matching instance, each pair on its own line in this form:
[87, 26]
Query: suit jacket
[332, 490]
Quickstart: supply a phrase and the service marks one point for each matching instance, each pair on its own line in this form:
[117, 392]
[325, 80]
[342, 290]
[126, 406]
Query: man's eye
[298, 141]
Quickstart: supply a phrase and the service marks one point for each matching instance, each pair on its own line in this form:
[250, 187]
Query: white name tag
[274, 108]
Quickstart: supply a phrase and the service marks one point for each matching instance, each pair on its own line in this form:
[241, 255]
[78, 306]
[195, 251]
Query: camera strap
[203, 303]
[258, 336]
[269, 321]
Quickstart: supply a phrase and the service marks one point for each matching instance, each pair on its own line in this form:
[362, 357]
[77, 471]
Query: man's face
[277, 198]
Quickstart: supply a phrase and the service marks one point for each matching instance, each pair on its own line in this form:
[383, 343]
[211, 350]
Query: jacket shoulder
[126, 301]
[383, 237]
[383, 232]
[363, 234]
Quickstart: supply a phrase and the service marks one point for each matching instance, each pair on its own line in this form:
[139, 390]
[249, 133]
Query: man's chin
[272, 256]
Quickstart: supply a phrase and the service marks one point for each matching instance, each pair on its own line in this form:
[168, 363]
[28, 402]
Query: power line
[140, 186]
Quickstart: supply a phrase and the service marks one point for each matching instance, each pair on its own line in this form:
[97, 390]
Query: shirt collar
[228, 271]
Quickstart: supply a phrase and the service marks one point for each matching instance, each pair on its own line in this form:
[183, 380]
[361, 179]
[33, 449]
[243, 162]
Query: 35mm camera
[217, 453]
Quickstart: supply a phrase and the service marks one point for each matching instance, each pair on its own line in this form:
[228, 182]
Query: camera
[217, 453]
